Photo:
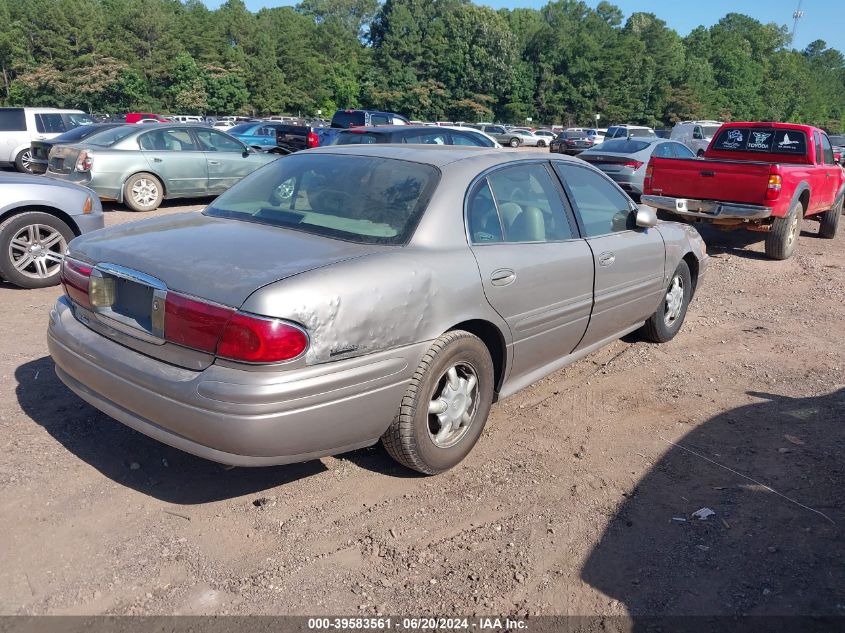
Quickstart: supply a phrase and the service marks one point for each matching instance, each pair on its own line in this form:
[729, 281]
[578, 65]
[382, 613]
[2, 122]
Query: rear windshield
[573, 135]
[81, 132]
[359, 138]
[622, 146]
[348, 119]
[764, 140]
[639, 131]
[12, 120]
[113, 135]
[364, 199]
[243, 128]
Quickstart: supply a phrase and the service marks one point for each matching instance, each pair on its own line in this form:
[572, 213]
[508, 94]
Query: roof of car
[435, 155]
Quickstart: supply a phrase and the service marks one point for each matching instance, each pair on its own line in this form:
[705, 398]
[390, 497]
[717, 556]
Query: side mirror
[646, 217]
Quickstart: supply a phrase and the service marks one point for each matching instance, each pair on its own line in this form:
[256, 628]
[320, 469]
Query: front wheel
[665, 323]
[32, 245]
[23, 161]
[514, 142]
[541, 143]
[445, 407]
[782, 238]
[829, 221]
[143, 192]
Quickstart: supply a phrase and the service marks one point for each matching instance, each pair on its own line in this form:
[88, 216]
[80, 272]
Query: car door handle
[156, 160]
[214, 162]
[708, 173]
[607, 259]
[502, 277]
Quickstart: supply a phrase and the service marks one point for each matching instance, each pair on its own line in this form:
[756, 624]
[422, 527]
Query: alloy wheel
[453, 406]
[37, 250]
[144, 192]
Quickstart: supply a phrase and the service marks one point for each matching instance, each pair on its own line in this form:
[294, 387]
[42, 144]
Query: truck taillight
[313, 140]
[774, 187]
[75, 278]
[649, 171]
[230, 334]
[85, 161]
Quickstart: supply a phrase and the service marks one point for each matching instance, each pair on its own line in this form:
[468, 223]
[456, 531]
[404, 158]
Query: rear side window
[426, 138]
[470, 139]
[49, 123]
[74, 119]
[819, 157]
[12, 120]
[828, 151]
[681, 151]
[359, 138]
[763, 140]
[482, 216]
[364, 199]
[380, 119]
[664, 150]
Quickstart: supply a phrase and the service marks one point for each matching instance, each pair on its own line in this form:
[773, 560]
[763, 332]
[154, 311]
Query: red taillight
[647, 181]
[230, 334]
[313, 140]
[774, 187]
[633, 164]
[194, 324]
[85, 161]
[75, 278]
[259, 340]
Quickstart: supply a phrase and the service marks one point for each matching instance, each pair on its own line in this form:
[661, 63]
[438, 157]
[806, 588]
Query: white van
[695, 134]
[186, 118]
[20, 126]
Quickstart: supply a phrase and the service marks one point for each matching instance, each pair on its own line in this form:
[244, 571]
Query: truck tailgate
[723, 180]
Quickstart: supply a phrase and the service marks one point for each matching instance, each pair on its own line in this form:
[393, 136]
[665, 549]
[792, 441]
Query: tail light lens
[774, 187]
[85, 161]
[76, 278]
[313, 140]
[647, 181]
[230, 334]
[260, 340]
[633, 164]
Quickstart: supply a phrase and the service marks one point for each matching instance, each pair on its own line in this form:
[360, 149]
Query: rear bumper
[234, 416]
[707, 209]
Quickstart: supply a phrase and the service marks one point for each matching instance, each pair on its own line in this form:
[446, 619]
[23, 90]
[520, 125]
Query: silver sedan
[141, 165]
[38, 218]
[349, 294]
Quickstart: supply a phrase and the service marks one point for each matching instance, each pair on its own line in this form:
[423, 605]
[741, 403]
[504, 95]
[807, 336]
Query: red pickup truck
[758, 176]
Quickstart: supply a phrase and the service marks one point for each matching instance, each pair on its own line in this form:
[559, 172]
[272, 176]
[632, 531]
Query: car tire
[418, 437]
[142, 192]
[666, 322]
[541, 143]
[782, 238]
[514, 142]
[23, 161]
[829, 221]
[21, 233]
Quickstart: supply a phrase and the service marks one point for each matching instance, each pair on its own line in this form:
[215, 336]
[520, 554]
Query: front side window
[603, 208]
[426, 138]
[213, 141]
[529, 204]
[49, 123]
[363, 199]
[827, 150]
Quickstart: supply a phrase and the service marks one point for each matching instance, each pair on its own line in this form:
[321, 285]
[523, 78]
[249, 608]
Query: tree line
[428, 59]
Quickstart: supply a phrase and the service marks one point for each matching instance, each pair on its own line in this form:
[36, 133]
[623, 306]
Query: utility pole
[796, 15]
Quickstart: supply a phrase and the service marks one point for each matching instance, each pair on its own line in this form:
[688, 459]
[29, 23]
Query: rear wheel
[514, 142]
[667, 320]
[23, 161]
[541, 143]
[32, 245]
[829, 220]
[445, 407]
[143, 192]
[782, 239]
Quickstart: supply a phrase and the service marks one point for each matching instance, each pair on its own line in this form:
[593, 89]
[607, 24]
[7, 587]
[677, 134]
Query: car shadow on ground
[131, 458]
[736, 242]
[110, 206]
[760, 553]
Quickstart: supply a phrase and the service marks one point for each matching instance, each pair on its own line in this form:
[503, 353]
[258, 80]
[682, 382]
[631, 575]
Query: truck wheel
[783, 236]
[514, 142]
[32, 245]
[142, 192]
[829, 220]
[23, 161]
[666, 322]
[445, 407]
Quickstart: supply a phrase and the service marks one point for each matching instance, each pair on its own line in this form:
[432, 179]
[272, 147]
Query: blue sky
[823, 19]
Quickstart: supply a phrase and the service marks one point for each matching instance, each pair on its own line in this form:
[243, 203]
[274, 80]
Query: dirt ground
[578, 498]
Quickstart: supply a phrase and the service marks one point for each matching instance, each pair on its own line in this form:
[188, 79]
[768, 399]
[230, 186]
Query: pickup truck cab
[759, 176]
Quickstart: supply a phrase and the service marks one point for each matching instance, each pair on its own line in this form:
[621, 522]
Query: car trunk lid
[62, 158]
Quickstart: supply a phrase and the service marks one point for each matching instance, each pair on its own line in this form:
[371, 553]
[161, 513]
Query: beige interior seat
[528, 226]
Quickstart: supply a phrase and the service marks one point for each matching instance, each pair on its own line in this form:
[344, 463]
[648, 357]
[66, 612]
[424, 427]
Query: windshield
[243, 128]
[621, 146]
[80, 119]
[364, 199]
[112, 135]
